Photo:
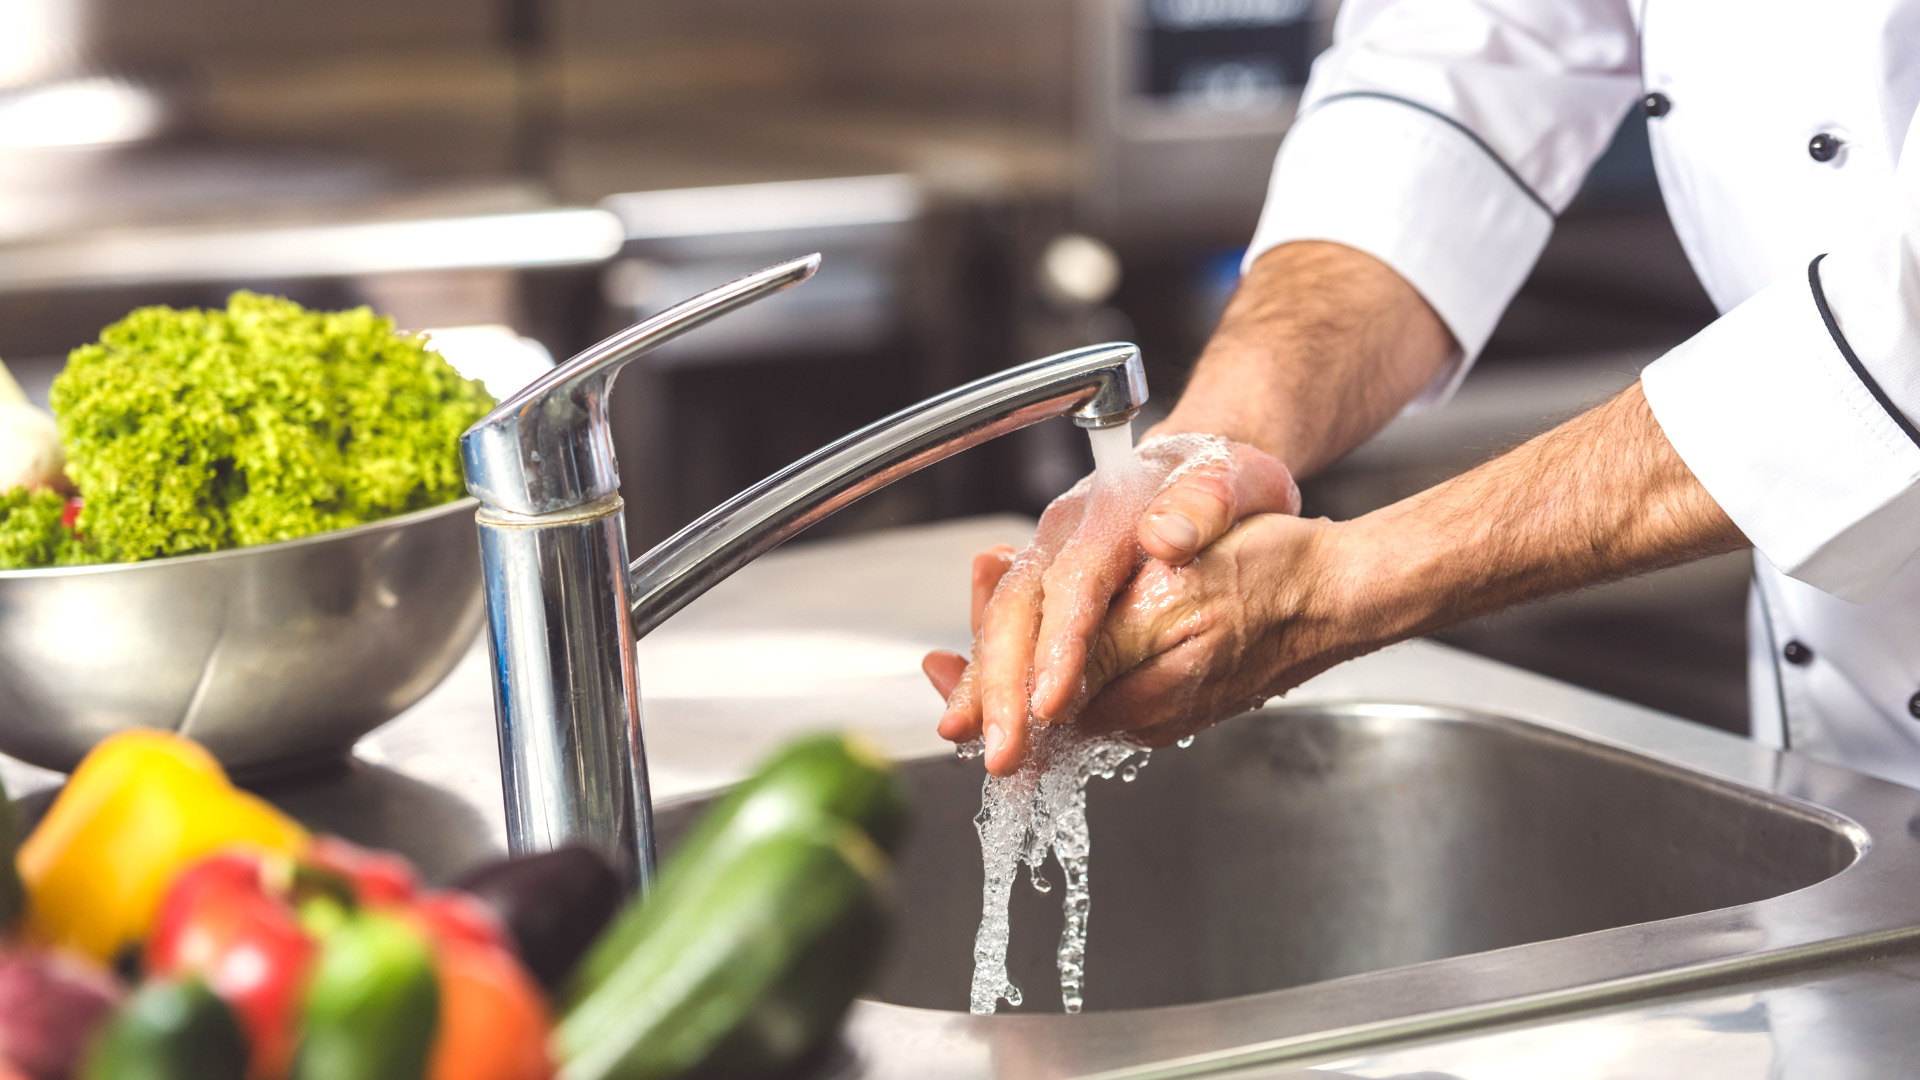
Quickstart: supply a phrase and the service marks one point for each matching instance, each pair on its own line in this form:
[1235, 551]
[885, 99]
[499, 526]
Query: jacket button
[1823, 147]
[1797, 654]
[1656, 104]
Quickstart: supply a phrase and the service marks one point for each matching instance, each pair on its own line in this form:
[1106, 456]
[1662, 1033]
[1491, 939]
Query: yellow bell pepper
[140, 808]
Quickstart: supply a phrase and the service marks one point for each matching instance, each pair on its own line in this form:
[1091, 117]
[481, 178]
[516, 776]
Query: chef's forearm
[1601, 497]
[1319, 347]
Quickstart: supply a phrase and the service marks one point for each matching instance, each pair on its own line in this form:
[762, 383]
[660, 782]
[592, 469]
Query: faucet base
[566, 691]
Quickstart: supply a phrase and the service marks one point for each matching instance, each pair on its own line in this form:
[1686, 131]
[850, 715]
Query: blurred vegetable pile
[255, 951]
[194, 430]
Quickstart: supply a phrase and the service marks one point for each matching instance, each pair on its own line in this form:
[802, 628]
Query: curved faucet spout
[1099, 386]
[548, 448]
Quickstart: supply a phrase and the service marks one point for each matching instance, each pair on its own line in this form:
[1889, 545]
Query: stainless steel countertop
[830, 635]
[1849, 1023]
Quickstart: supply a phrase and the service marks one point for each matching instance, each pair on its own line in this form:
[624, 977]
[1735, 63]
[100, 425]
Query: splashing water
[1042, 809]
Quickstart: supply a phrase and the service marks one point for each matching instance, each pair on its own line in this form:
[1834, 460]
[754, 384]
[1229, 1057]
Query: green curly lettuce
[196, 430]
[32, 534]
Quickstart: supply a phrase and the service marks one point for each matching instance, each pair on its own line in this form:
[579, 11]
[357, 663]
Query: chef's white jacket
[1442, 136]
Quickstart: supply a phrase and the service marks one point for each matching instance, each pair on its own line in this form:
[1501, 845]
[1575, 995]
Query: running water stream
[1042, 808]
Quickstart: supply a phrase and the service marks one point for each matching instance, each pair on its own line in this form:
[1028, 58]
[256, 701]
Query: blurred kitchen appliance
[1184, 103]
[674, 239]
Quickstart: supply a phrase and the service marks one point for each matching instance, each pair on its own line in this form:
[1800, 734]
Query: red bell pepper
[221, 922]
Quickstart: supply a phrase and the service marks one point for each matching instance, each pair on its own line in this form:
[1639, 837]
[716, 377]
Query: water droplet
[1129, 774]
[1185, 742]
[970, 749]
[1040, 883]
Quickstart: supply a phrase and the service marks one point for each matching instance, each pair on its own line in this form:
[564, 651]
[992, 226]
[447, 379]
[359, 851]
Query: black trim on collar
[1457, 126]
[1846, 350]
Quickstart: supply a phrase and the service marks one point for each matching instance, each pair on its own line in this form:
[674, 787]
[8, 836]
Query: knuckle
[1202, 501]
[1206, 488]
[1103, 658]
[1068, 575]
[1060, 577]
[1016, 585]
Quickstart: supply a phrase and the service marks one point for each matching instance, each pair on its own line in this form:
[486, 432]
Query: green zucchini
[739, 972]
[840, 776]
[169, 1031]
[371, 1003]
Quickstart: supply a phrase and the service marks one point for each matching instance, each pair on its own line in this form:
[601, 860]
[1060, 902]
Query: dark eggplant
[554, 904]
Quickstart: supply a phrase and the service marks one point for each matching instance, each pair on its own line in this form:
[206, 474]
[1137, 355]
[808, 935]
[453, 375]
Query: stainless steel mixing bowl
[271, 656]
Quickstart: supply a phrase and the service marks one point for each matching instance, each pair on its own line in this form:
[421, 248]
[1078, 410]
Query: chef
[1436, 142]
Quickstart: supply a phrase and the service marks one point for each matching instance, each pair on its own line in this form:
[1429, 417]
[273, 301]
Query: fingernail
[995, 740]
[1175, 530]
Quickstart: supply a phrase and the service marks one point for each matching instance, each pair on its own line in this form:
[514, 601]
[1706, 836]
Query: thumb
[1200, 507]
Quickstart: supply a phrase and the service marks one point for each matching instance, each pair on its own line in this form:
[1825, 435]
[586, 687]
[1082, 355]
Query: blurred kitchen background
[990, 180]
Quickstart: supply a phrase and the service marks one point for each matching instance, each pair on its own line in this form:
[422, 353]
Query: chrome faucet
[564, 608]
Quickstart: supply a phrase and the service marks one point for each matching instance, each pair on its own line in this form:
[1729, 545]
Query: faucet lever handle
[547, 448]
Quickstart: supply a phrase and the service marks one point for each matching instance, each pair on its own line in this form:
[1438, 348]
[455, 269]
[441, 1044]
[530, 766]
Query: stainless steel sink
[1298, 845]
[1323, 876]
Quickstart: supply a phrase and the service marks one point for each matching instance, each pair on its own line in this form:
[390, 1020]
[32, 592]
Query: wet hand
[1036, 613]
[1259, 612]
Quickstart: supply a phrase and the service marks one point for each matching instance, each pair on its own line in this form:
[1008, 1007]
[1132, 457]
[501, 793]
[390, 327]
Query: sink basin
[1297, 845]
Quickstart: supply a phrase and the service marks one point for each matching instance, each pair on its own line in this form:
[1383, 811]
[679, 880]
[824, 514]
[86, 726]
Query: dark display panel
[1224, 53]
